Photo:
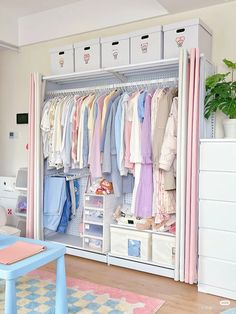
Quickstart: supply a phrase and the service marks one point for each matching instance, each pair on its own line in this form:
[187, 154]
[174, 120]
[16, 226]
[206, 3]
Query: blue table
[11, 272]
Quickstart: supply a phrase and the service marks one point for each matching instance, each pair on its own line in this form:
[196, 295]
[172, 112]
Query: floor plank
[180, 298]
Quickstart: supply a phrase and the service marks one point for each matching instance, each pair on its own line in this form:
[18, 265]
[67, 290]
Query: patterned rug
[36, 294]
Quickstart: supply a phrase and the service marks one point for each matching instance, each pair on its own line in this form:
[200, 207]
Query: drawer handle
[61, 53]
[145, 37]
[86, 48]
[115, 43]
[180, 30]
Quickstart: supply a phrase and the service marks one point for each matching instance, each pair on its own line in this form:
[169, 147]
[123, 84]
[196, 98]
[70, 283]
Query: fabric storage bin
[62, 60]
[187, 34]
[91, 215]
[21, 205]
[94, 201]
[93, 244]
[146, 45]
[131, 243]
[163, 250]
[115, 51]
[87, 55]
[93, 230]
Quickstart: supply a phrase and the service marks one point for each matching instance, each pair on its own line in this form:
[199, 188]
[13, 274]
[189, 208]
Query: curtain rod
[113, 86]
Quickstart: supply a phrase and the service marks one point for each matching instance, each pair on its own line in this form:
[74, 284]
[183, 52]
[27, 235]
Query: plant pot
[229, 128]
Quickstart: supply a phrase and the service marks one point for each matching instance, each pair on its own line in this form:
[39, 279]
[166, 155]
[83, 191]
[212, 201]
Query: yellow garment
[104, 110]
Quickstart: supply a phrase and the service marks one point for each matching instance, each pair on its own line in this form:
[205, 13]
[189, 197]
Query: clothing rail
[114, 86]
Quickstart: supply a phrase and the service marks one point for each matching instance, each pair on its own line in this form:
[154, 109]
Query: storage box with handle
[163, 250]
[133, 244]
[87, 55]
[62, 60]
[147, 45]
[187, 34]
[115, 51]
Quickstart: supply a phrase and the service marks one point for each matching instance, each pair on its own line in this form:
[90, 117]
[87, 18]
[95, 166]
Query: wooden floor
[180, 298]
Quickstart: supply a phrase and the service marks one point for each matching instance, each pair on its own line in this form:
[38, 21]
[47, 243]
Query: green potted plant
[221, 95]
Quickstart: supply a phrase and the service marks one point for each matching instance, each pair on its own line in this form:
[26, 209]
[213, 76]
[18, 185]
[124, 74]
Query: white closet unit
[161, 72]
[98, 211]
[217, 217]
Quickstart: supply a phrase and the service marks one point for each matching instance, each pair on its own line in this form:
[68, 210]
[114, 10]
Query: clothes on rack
[126, 137]
[61, 202]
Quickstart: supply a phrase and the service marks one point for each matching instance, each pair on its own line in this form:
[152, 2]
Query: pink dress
[143, 204]
[95, 160]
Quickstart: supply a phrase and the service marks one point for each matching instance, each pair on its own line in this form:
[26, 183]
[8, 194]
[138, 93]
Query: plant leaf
[230, 64]
[212, 80]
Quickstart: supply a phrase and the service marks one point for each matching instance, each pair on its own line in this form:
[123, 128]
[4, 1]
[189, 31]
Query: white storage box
[163, 250]
[87, 55]
[147, 45]
[115, 51]
[187, 34]
[131, 243]
[62, 60]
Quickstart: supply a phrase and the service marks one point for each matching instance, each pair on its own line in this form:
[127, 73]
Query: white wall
[8, 27]
[84, 16]
[15, 69]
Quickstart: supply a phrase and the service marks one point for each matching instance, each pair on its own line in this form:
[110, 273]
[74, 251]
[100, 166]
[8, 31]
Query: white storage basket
[115, 51]
[62, 60]
[187, 34]
[131, 243]
[87, 55]
[163, 250]
[147, 45]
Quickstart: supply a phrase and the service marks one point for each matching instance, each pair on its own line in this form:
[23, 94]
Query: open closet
[103, 226]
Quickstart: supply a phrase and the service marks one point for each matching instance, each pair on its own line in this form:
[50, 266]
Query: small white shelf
[92, 222]
[20, 215]
[94, 208]
[92, 236]
[21, 189]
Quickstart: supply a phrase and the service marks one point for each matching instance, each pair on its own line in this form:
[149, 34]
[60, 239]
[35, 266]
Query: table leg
[61, 291]
[10, 297]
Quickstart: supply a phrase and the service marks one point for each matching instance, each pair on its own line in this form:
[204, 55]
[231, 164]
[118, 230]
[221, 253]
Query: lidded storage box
[115, 51]
[131, 243]
[147, 45]
[62, 60]
[163, 250]
[187, 34]
[87, 55]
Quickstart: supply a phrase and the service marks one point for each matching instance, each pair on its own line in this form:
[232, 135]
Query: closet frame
[161, 71]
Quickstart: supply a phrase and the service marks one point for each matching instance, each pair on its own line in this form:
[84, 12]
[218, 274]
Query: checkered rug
[36, 295]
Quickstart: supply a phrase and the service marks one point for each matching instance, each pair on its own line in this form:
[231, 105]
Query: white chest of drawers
[217, 218]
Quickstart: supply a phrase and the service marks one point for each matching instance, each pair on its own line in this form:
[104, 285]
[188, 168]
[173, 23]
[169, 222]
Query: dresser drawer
[217, 273]
[217, 215]
[217, 244]
[218, 156]
[219, 186]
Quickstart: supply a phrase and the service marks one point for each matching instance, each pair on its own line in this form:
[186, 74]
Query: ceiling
[27, 7]
[176, 6]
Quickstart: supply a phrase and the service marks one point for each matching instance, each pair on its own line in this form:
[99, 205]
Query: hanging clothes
[95, 159]
[55, 196]
[163, 202]
[143, 205]
[109, 167]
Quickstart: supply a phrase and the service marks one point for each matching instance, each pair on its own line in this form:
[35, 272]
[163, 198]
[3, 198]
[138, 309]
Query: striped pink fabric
[192, 171]
[30, 193]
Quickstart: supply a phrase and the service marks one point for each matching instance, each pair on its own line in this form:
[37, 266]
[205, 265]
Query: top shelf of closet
[121, 73]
